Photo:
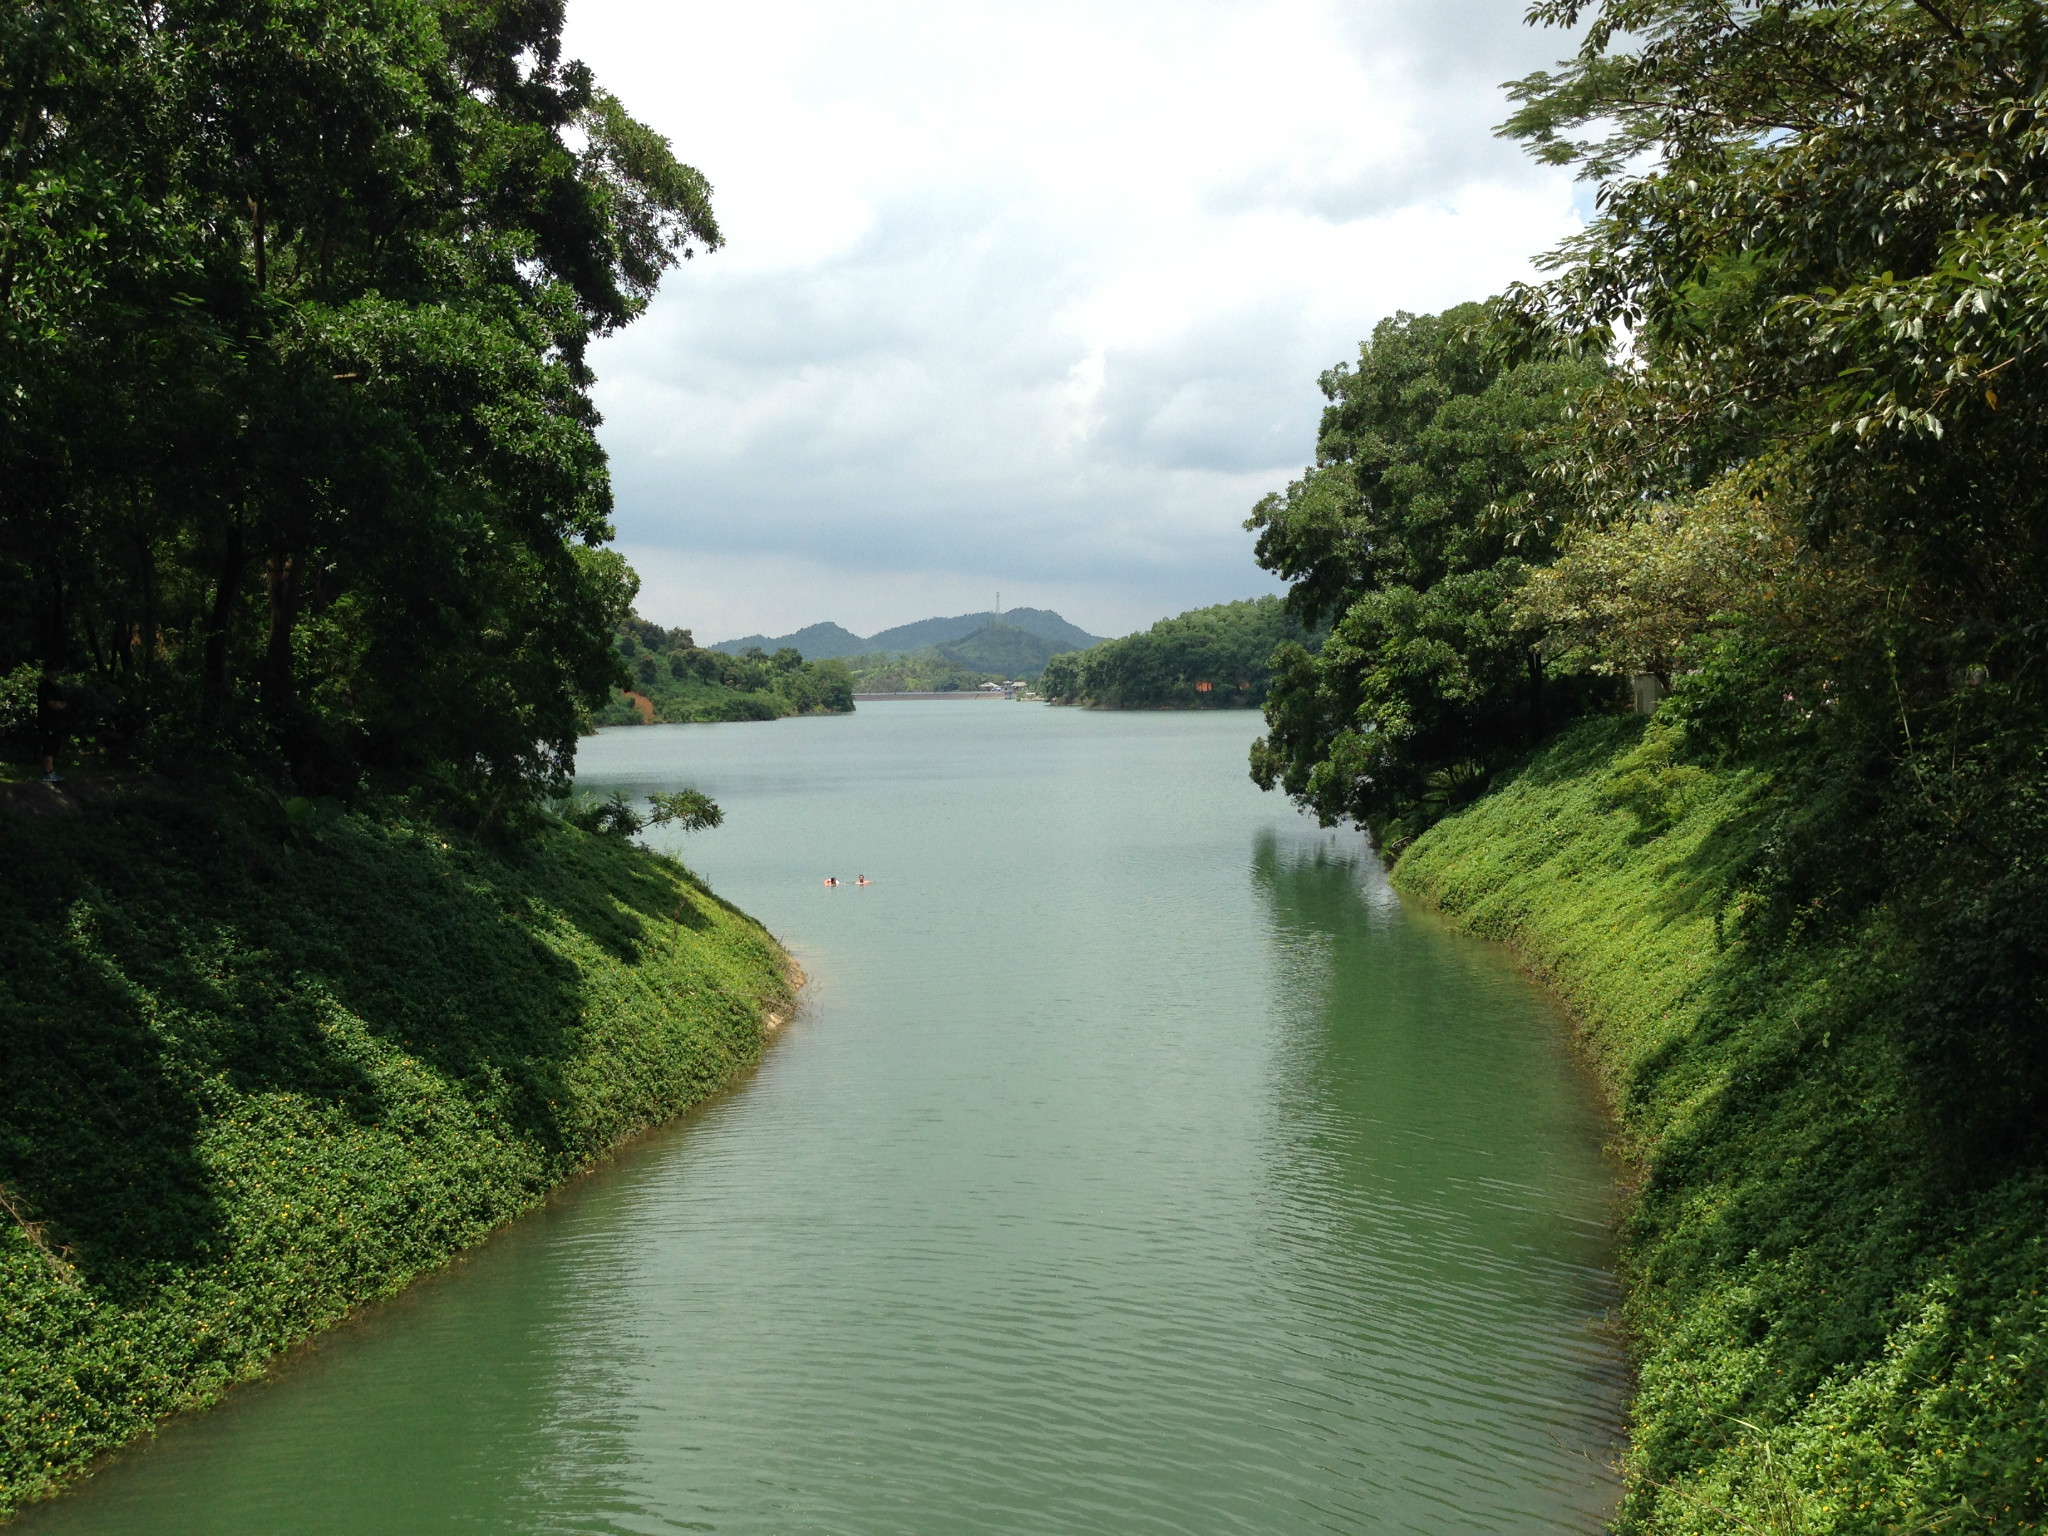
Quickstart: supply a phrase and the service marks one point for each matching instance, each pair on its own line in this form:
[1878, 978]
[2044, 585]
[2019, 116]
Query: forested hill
[816, 642]
[1219, 657]
[819, 641]
[1001, 649]
[996, 652]
[1042, 622]
[675, 681]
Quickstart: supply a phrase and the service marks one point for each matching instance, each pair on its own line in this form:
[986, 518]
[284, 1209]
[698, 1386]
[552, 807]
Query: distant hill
[819, 642]
[1042, 622]
[1003, 648]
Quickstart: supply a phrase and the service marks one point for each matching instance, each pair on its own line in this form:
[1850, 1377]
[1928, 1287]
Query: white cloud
[1031, 296]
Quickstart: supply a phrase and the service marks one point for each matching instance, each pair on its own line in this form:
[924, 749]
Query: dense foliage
[1410, 537]
[681, 681]
[234, 1104]
[920, 672]
[1829, 456]
[1783, 450]
[1838, 1325]
[297, 459]
[1218, 657]
[994, 652]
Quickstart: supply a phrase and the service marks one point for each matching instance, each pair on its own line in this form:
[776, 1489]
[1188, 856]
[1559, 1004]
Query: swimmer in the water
[831, 879]
[863, 880]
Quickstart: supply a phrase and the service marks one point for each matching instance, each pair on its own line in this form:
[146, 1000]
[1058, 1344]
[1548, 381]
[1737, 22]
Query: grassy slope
[1838, 1323]
[253, 1073]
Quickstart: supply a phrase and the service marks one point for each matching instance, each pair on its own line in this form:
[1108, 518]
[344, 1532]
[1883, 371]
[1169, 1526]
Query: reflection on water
[1136, 1163]
[1429, 1111]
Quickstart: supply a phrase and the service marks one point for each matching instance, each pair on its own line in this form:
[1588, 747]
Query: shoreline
[952, 693]
[1832, 1311]
[340, 1111]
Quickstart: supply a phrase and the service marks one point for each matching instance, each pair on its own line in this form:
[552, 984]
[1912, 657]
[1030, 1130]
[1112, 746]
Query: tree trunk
[51, 708]
[214, 694]
[281, 581]
[262, 256]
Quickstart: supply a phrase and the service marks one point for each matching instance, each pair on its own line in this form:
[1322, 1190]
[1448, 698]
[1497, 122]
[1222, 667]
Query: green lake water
[1135, 1163]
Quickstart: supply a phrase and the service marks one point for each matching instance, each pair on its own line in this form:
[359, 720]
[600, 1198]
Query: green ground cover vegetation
[264, 1061]
[1834, 1281]
[1772, 436]
[305, 586]
[1219, 657]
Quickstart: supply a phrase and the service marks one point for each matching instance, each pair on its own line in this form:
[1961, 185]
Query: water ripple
[1135, 1164]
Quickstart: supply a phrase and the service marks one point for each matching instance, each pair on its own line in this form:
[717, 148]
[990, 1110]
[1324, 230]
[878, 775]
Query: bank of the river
[1138, 1165]
[256, 1069]
[1836, 1309]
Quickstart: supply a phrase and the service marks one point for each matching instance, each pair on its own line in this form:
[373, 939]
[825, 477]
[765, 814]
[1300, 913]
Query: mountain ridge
[827, 640]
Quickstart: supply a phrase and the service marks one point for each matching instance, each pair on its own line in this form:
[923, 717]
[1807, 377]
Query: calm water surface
[1135, 1164]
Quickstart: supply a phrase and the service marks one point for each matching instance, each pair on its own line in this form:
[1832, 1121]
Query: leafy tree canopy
[1822, 226]
[1218, 657]
[297, 456]
[1429, 500]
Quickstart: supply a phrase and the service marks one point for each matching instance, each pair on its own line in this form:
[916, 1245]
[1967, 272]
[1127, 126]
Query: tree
[296, 443]
[1428, 502]
[1821, 223]
[689, 809]
[1636, 594]
[1218, 657]
[617, 816]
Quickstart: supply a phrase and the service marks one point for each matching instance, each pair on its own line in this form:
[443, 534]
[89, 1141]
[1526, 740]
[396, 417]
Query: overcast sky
[1031, 297]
